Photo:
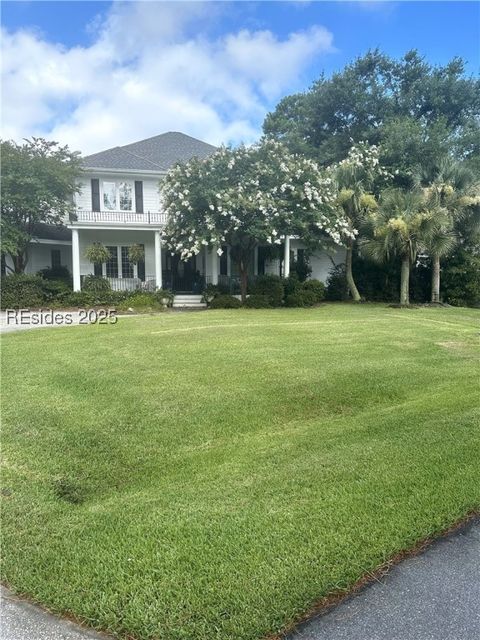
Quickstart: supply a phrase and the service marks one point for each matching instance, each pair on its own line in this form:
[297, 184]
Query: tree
[38, 183]
[248, 196]
[356, 177]
[414, 110]
[446, 187]
[398, 229]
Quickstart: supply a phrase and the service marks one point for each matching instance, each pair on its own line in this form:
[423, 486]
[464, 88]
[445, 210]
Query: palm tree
[446, 188]
[356, 202]
[398, 228]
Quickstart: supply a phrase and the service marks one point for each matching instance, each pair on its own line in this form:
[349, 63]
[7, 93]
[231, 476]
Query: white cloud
[151, 68]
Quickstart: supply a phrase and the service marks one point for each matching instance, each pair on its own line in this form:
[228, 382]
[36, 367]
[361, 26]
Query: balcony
[115, 218]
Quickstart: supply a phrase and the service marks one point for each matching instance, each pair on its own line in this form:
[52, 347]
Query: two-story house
[119, 205]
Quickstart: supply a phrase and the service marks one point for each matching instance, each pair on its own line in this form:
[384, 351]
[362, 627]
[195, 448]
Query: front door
[184, 276]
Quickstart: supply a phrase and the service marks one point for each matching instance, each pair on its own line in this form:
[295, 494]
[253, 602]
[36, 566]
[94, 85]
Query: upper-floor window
[117, 196]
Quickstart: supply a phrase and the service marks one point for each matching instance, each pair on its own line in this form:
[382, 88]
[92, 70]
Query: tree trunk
[436, 279]
[19, 262]
[404, 281]
[352, 287]
[242, 265]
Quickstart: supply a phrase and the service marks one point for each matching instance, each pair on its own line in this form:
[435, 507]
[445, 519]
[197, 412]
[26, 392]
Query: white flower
[219, 251]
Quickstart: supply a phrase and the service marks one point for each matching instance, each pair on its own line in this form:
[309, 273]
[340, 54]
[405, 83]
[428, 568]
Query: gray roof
[153, 154]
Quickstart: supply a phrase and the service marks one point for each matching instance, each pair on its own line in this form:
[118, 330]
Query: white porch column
[286, 258]
[158, 260]
[214, 255]
[76, 260]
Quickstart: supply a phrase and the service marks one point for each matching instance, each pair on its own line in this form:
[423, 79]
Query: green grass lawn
[230, 468]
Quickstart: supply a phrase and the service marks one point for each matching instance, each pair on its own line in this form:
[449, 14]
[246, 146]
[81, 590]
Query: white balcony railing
[119, 217]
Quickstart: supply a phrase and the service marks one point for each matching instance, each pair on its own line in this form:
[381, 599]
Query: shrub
[56, 273]
[211, 291]
[225, 302]
[460, 281]
[337, 284]
[53, 290]
[301, 268]
[301, 298]
[316, 287]
[165, 297]
[141, 301]
[76, 299]
[292, 284]
[95, 284]
[257, 301]
[270, 286]
[22, 291]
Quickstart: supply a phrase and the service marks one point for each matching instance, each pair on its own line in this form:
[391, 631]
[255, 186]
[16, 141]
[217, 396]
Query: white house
[119, 205]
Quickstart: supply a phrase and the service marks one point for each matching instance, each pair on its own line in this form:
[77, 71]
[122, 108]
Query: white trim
[286, 258]
[125, 172]
[76, 260]
[110, 227]
[158, 260]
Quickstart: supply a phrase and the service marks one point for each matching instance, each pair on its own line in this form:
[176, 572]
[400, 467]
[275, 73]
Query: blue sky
[97, 74]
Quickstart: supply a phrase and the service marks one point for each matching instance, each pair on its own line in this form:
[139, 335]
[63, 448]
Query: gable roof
[153, 154]
[51, 232]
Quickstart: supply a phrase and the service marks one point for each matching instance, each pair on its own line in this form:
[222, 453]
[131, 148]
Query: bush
[316, 287]
[96, 284]
[257, 301]
[301, 298]
[225, 302]
[56, 273]
[211, 291]
[53, 290]
[301, 268]
[460, 279]
[165, 297]
[291, 284]
[141, 301]
[337, 284]
[270, 286]
[22, 291]
[76, 299]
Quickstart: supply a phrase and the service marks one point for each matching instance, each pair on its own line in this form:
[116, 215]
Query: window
[112, 264]
[117, 196]
[127, 266]
[109, 196]
[56, 258]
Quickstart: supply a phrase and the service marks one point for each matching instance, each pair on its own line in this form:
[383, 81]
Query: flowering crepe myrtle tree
[357, 177]
[249, 196]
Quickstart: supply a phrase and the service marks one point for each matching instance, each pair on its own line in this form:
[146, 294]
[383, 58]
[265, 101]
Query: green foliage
[270, 286]
[165, 297]
[56, 273]
[461, 279]
[316, 287]
[301, 268]
[39, 179]
[97, 253]
[80, 299]
[291, 284]
[211, 291]
[224, 301]
[95, 284]
[258, 301]
[301, 298]
[22, 291]
[414, 110]
[141, 301]
[136, 253]
[336, 285]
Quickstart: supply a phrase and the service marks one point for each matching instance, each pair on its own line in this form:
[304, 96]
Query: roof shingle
[153, 154]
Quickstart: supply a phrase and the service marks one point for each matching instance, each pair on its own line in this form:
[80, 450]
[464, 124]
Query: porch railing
[133, 284]
[119, 217]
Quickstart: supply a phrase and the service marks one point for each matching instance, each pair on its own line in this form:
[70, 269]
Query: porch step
[188, 301]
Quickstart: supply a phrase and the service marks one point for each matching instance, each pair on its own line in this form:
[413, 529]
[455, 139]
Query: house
[119, 205]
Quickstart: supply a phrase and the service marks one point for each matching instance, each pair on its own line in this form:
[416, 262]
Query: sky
[95, 75]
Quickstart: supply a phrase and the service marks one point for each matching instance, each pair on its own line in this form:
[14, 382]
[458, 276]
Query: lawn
[212, 475]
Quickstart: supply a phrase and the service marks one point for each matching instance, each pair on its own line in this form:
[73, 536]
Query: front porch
[159, 268]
